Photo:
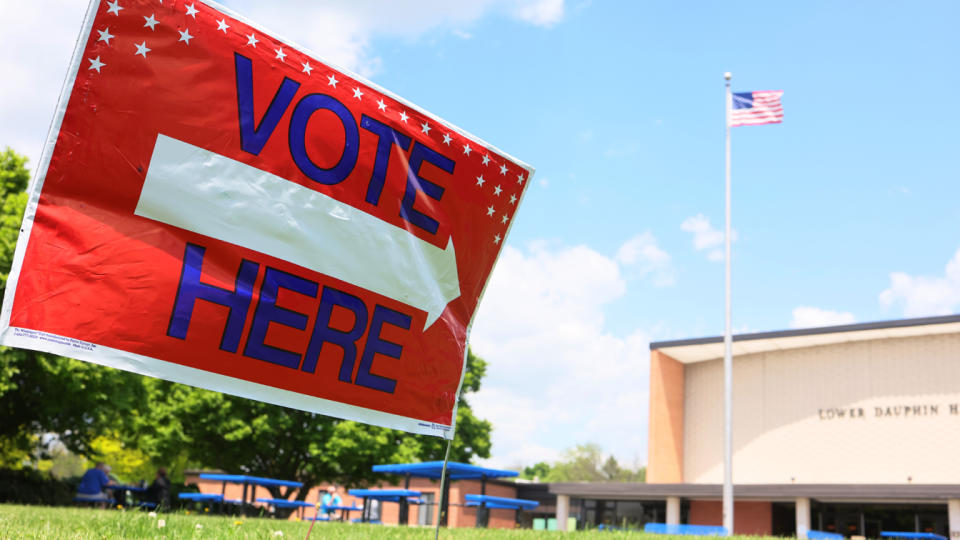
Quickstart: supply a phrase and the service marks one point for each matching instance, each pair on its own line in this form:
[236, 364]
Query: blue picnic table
[455, 471]
[120, 491]
[500, 502]
[247, 480]
[384, 495]
[285, 503]
[343, 509]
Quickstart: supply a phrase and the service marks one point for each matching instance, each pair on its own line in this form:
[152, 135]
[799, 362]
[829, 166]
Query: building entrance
[870, 520]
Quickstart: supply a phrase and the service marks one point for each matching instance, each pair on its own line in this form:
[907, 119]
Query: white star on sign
[185, 36]
[151, 22]
[142, 49]
[480, 180]
[466, 149]
[520, 178]
[96, 64]
[252, 40]
[503, 169]
[280, 54]
[513, 199]
[496, 239]
[403, 116]
[307, 68]
[490, 210]
[105, 35]
[504, 219]
[332, 81]
[446, 139]
[497, 191]
[192, 11]
[381, 105]
[114, 7]
[486, 159]
[425, 127]
[357, 93]
[222, 25]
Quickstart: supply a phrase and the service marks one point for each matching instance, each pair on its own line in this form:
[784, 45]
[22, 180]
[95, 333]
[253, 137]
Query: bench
[686, 530]
[500, 502]
[201, 497]
[912, 535]
[823, 535]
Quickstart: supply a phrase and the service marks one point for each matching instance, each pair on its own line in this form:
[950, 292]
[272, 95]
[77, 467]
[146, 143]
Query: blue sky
[848, 211]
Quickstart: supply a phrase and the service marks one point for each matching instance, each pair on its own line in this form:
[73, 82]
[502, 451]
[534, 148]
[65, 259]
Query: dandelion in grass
[206, 510]
[238, 522]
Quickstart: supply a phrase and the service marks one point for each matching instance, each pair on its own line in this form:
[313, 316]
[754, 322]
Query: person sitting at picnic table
[94, 481]
[159, 491]
[330, 498]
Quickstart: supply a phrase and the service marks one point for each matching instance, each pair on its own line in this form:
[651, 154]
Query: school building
[850, 429]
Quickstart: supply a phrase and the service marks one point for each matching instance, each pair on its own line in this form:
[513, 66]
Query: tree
[243, 436]
[585, 463]
[42, 393]
[537, 472]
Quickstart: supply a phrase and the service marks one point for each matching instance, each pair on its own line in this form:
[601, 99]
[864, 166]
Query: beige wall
[786, 421]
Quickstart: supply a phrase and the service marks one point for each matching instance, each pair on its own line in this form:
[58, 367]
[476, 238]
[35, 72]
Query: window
[426, 509]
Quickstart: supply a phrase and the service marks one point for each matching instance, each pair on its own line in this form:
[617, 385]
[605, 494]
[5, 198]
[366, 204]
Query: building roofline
[859, 327]
[832, 492]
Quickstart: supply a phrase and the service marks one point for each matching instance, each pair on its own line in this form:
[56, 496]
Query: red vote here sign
[217, 207]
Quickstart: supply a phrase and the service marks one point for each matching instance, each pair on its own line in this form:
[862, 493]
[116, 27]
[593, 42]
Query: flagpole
[728, 353]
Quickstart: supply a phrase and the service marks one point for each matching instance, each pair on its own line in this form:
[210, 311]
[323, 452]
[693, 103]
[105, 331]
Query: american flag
[755, 108]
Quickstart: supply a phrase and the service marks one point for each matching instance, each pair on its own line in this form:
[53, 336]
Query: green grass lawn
[83, 523]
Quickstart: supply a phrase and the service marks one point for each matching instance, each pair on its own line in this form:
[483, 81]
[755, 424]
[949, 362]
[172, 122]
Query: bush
[29, 486]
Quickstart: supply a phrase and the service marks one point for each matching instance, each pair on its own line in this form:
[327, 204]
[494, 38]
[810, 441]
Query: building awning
[702, 349]
[765, 492]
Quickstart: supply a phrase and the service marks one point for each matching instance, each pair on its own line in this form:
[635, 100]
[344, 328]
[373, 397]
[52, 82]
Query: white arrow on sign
[216, 196]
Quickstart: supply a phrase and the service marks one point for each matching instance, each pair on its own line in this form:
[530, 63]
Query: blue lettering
[191, 289]
[252, 139]
[418, 184]
[322, 333]
[298, 144]
[386, 138]
[267, 311]
[376, 345]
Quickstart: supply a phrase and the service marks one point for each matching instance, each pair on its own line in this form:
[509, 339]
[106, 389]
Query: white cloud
[812, 317]
[925, 295]
[37, 39]
[643, 253]
[539, 12]
[705, 237]
[557, 377]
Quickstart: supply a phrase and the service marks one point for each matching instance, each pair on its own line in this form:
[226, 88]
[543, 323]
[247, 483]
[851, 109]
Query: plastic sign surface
[216, 207]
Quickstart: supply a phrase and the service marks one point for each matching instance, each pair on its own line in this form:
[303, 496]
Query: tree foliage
[243, 436]
[584, 463]
[43, 393]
